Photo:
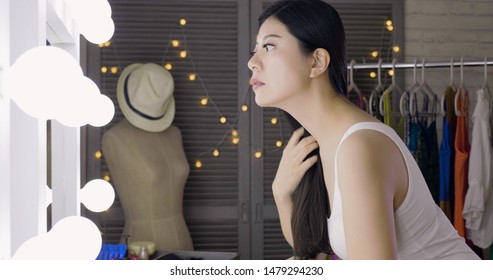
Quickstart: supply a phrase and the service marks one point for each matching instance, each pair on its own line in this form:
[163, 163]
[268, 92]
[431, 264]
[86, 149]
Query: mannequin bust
[147, 163]
[149, 171]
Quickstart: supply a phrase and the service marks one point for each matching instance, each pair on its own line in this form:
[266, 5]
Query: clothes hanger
[460, 89]
[393, 86]
[451, 85]
[352, 85]
[428, 91]
[376, 91]
[405, 97]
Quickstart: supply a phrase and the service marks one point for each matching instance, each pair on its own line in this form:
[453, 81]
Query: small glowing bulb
[273, 120]
[278, 143]
[107, 178]
[104, 69]
[114, 69]
[388, 22]
[373, 74]
[198, 164]
[258, 154]
[183, 21]
[374, 53]
[168, 66]
[396, 48]
[234, 132]
[236, 140]
[203, 101]
[98, 154]
[192, 77]
[107, 44]
[215, 152]
[100, 45]
[223, 119]
[183, 54]
[391, 72]
[175, 43]
[244, 108]
[390, 28]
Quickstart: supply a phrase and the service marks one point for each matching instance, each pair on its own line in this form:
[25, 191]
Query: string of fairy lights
[207, 100]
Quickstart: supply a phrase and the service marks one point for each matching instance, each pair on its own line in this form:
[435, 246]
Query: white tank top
[423, 230]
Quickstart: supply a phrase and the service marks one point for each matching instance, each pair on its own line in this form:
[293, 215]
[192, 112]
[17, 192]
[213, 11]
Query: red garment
[462, 148]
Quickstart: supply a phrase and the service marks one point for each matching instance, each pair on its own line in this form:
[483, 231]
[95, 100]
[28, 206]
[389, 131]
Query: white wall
[440, 29]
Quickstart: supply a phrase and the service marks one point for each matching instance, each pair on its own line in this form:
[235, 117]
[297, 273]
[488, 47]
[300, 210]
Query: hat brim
[134, 118]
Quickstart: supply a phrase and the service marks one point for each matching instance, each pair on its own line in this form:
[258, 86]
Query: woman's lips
[256, 84]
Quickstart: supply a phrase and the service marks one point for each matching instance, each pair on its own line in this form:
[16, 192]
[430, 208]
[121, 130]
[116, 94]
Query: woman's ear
[321, 62]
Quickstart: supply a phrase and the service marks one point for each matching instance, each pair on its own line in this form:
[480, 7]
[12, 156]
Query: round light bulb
[215, 152]
[203, 101]
[373, 74]
[391, 72]
[273, 120]
[97, 195]
[107, 178]
[114, 69]
[198, 164]
[183, 54]
[192, 77]
[78, 233]
[235, 140]
[223, 119]
[374, 54]
[390, 28]
[258, 154]
[234, 132]
[183, 21]
[168, 66]
[244, 108]
[175, 43]
[388, 22]
[98, 154]
[278, 143]
[396, 48]
[104, 69]
[107, 44]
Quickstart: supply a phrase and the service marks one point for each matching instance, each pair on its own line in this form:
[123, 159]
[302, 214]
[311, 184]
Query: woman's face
[280, 71]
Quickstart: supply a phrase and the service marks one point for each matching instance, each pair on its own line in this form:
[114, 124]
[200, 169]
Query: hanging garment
[429, 161]
[361, 101]
[388, 117]
[447, 155]
[445, 169]
[462, 149]
[406, 119]
[478, 204]
[422, 229]
[373, 104]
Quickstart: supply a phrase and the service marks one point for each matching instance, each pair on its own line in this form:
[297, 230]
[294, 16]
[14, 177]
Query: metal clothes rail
[420, 65]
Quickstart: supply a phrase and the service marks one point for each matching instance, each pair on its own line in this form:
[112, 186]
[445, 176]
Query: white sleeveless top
[423, 231]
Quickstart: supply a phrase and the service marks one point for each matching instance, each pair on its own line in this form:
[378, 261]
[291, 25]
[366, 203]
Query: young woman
[344, 176]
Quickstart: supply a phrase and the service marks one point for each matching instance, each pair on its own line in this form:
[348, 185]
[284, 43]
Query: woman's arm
[292, 168]
[370, 171]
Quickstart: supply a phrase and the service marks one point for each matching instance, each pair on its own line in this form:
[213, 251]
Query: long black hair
[315, 24]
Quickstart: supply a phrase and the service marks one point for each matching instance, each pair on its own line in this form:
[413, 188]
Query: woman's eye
[268, 47]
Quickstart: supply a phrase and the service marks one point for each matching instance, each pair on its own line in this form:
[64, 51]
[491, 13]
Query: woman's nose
[253, 63]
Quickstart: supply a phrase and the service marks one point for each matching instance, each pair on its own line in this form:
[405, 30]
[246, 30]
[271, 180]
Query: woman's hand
[293, 164]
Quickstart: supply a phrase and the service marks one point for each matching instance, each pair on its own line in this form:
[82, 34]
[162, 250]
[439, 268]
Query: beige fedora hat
[145, 96]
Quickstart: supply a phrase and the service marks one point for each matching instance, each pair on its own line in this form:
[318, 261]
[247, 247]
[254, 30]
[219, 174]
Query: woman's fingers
[294, 162]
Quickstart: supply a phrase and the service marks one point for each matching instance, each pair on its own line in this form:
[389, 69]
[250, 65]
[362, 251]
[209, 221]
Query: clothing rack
[420, 65]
